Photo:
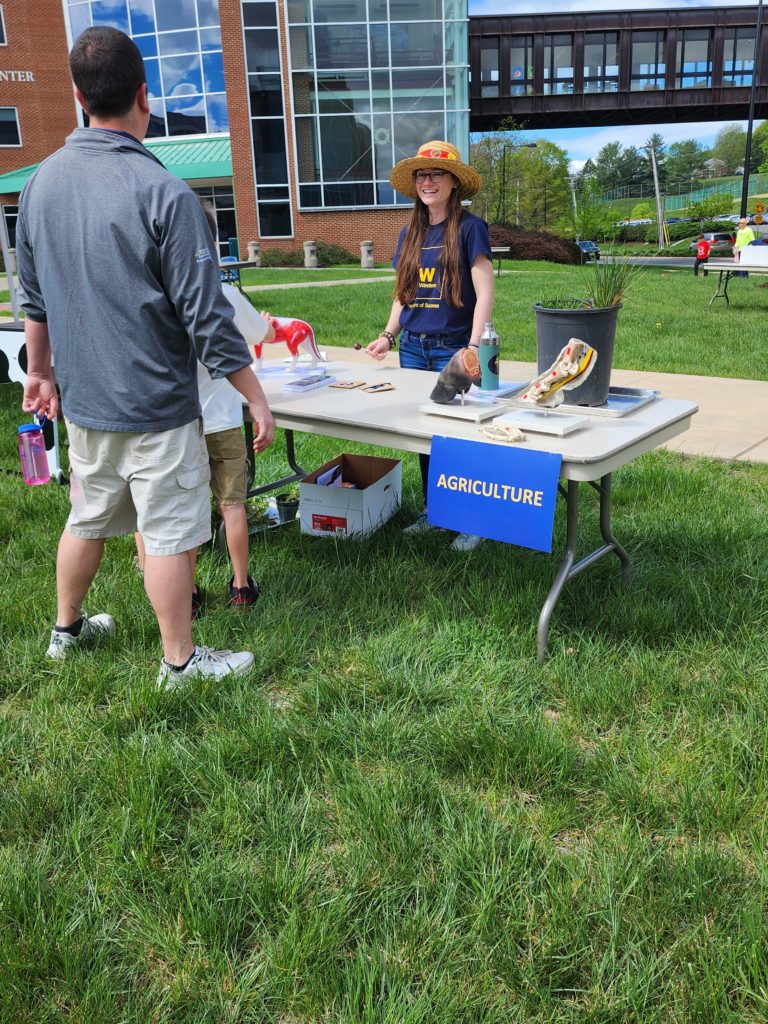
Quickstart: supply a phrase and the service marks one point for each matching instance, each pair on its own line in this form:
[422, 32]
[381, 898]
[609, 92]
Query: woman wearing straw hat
[444, 287]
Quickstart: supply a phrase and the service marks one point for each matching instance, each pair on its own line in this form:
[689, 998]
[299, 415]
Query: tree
[711, 206]
[642, 211]
[492, 156]
[730, 146]
[760, 148]
[686, 161]
[544, 193]
[589, 217]
[607, 167]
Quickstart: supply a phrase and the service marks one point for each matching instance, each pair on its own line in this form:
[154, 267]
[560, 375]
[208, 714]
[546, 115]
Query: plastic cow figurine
[297, 335]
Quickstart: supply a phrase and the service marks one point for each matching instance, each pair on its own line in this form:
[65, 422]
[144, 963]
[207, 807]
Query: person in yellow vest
[744, 236]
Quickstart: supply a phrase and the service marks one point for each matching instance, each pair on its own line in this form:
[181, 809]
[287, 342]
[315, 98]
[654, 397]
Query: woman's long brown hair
[410, 255]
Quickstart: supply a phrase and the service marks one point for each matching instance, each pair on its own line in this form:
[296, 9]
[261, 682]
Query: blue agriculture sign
[505, 494]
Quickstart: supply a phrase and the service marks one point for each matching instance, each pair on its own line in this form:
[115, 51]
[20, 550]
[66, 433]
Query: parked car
[589, 251]
[720, 243]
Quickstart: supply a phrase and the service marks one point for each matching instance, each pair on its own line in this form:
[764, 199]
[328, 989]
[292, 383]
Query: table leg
[290, 452]
[722, 290]
[567, 568]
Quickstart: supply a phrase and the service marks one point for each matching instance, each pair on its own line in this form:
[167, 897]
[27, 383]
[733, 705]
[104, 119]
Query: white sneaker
[421, 525]
[466, 542]
[206, 663]
[91, 629]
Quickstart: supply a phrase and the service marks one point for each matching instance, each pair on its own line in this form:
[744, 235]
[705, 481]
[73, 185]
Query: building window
[648, 64]
[694, 59]
[601, 62]
[558, 64]
[738, 56]
[3, 37]
[367, 93]
[222, 199]
[10, 133]
[11, 216]
[521, 65]
[268, 129]
[489, 67]
[180, 41]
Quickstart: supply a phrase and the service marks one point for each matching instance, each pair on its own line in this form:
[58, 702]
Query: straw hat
[440, 156]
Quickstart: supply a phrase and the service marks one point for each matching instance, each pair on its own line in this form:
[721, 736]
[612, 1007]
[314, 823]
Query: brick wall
[37, 42]
[343, 227]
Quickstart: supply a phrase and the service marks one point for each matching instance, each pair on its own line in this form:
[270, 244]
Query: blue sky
[582, 143]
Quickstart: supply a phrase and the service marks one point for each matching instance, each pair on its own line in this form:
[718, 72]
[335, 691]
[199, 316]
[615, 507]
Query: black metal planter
[555, 328]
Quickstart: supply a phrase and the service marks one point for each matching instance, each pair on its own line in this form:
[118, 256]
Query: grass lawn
[289, 275]
[665, 324]
[401, 817]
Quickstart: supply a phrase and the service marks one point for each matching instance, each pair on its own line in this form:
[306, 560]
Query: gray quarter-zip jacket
[115, 254]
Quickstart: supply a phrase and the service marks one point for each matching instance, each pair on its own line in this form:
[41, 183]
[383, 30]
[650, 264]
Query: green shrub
[282, 258]
[331, 255]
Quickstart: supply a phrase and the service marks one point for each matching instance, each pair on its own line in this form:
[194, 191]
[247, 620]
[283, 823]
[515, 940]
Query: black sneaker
[243, 597]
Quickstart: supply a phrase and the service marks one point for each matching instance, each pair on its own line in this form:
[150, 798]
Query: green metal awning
[189, 159]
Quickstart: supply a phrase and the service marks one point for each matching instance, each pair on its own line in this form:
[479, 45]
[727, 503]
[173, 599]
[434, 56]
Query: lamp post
[752, 91]
[514, 148]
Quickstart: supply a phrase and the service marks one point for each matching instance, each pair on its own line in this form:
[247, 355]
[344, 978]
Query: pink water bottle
[34, 460]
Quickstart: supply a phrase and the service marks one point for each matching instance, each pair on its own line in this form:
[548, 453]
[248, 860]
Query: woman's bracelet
[391, 338]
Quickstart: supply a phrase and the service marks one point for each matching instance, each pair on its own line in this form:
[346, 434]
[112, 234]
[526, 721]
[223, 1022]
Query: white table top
[392, 419]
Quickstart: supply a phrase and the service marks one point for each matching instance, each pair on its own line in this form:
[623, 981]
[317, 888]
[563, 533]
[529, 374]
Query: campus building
[288, 115]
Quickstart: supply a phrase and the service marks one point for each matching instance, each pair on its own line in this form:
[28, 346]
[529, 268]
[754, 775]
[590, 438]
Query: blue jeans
[428, 352]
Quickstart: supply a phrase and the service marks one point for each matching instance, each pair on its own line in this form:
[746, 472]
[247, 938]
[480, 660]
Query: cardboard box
[753, 256]
[345, 511]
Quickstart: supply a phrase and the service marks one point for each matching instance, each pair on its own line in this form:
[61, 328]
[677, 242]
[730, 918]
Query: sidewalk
[731, 422]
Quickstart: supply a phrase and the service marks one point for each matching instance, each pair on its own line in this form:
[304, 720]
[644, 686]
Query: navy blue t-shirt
[430, 312]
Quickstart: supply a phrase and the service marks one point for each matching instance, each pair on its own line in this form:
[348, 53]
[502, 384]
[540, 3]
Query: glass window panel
[307, 152]
[275, 220]
[457, 88]
[382, 145]
[457, 129]
[310, 195]
[3, 40]
[111, 12]
[79, 19]
[185, 116]
[418, 89]
[411, 131]
[456, 39]
[385, 194]
[147, 45]
[417, 44]
[301, 47]
[299, 11]
[379, 35]
[204, 193]
[455, 9]
[210, 38]
[738, 56]
[213, 72]
[224, 196]
[266, 95]
[227, 225]
[377, 10]
[521, 65]
[342, 94]
[343, 11]
[207, 12]
[259, 15]
[277, 192]
[558, 63]
[142, 16]
[269, 156]
[156, 119]
[349, 194]
[261, 49]
[218, 116]
[154, 86]
[347, 148]
[341, 46]
[173, 14]
[382, 97]
[9, 127]
[177, 42]
[182, 76]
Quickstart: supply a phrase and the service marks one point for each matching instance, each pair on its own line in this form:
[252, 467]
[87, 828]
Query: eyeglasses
[434, 176]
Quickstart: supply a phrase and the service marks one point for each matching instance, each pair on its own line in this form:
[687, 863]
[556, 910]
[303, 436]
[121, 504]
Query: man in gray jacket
[120, 285]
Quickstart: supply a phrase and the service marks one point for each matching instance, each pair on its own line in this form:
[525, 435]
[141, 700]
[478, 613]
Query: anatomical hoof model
[458, 376]
[571, 368]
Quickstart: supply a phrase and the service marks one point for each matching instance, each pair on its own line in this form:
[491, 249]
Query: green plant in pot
[591, 318]
[287, 503]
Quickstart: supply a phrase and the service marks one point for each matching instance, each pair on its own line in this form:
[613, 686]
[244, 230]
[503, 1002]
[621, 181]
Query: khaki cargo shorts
[155, 482]
[226, 453]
